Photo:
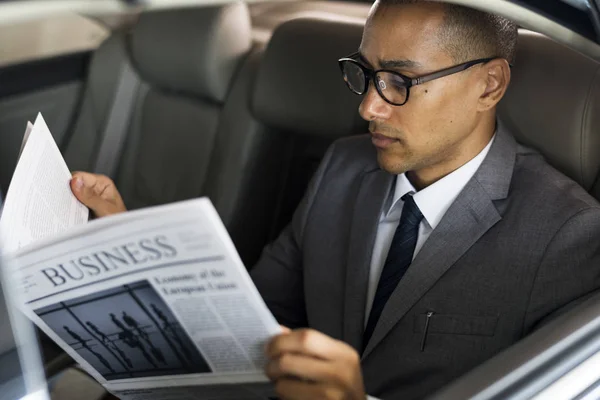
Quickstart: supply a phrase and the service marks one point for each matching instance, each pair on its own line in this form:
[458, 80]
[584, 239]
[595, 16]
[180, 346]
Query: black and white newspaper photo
[125, 332]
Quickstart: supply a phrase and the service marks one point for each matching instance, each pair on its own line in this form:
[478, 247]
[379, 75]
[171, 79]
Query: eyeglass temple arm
[448, 71]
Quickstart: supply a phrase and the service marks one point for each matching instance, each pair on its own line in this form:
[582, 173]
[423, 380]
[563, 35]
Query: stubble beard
[394, 165]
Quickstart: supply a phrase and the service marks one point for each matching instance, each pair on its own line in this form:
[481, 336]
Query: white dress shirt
[433, 201]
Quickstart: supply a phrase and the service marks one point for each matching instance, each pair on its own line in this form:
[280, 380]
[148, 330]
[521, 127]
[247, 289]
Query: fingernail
[78, 183]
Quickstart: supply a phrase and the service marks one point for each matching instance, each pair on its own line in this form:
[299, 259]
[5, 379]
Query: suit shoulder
[536, 179]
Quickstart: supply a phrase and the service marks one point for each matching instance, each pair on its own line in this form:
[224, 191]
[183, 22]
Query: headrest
[299, 86]
[192, 50]
[553, 105]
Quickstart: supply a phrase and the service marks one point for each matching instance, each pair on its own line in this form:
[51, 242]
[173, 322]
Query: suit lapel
[372, 193]
[465, 222]
[471, 215]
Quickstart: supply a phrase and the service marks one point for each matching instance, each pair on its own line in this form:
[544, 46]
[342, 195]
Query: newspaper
[153, 304]
[39, 202]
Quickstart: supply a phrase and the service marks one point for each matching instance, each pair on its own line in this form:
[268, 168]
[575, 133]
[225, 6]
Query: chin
[393, 165]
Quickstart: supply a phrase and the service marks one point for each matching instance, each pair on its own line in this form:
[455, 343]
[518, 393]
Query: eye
[392, 87]
[396, 82]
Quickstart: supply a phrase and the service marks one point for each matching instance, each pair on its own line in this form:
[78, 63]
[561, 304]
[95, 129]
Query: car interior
[239, 103]
[552, 363]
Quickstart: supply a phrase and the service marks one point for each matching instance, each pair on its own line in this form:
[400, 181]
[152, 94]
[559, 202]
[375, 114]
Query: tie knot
[411, 214]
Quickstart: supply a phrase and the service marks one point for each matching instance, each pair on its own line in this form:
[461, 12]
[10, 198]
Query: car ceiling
[570, 22]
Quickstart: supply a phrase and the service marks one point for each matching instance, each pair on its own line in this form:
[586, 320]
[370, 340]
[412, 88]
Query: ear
[495, 79]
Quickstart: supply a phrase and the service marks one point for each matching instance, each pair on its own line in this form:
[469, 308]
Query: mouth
[381, 141]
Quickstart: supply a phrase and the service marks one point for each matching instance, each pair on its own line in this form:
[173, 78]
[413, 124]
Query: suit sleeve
[278, 275]
[569, 272]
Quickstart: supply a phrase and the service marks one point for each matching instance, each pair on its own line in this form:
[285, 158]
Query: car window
[581, 4]
[48, 37]
[572, 14]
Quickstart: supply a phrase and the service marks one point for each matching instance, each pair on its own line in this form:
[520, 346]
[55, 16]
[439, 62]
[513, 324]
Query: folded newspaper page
[154, 304]
[28, 130]
[39, 202]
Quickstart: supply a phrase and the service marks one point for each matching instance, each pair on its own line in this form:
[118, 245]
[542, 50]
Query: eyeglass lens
[390, 86]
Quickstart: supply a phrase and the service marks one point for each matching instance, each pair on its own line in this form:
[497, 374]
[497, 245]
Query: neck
[463, 152]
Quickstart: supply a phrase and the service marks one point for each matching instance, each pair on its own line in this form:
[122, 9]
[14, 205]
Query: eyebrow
[394, 64]
[400, 64]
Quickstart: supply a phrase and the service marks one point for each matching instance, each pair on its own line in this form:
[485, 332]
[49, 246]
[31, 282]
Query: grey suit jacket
[519, 243]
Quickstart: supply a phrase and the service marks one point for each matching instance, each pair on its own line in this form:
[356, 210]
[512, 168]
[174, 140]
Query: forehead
[409, 32]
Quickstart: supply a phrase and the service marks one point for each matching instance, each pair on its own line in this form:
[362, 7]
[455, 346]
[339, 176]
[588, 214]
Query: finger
[284, 331]
[83, 187]
[303, 367]
[308, 342]
[97, 185]
[293, 389]
[87, 178]
[77, 186]
[97, 192]
[80, 184]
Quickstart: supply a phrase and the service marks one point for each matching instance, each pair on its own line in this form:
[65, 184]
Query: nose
[373, 106]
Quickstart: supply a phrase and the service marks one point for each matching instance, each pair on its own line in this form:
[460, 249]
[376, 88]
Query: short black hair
[469, 34]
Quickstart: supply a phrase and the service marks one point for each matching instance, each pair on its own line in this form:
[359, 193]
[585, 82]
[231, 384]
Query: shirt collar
[435, 199]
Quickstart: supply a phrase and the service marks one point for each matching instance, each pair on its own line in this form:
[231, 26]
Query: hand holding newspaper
[154, 304]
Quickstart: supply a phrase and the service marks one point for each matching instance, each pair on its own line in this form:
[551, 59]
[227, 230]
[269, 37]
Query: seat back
[190, 132]
[186, 60]
[300, 94]
[553, 105]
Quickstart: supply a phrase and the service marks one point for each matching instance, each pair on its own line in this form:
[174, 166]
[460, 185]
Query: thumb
[98, 193]
[83, 192]
[285, 329]
[90, 189]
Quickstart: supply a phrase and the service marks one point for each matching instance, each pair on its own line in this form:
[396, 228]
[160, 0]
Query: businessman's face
[435, 126]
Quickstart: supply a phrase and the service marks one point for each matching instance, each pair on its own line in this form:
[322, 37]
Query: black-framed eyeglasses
[392, 86]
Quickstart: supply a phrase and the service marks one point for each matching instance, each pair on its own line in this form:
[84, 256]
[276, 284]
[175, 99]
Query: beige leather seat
[553, 105]
[300, 94]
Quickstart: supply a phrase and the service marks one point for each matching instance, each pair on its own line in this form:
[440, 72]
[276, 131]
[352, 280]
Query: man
[434, 243]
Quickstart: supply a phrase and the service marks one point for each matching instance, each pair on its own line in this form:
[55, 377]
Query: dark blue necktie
[397, 262]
